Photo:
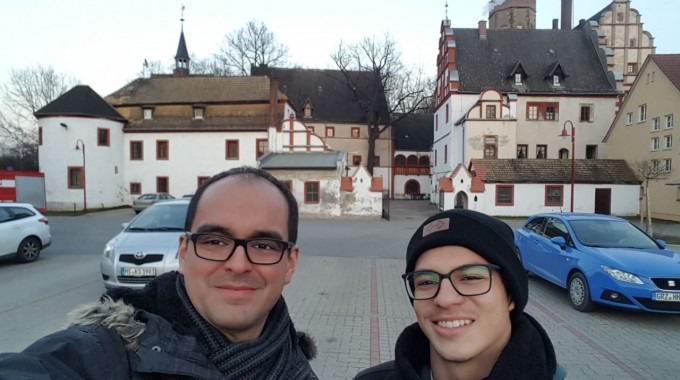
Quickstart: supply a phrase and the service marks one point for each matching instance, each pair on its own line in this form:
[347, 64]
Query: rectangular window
[355, 132]
[75, 177]
[135, 188]
[669, 121]
[629, 118]
[541, 151]
[148, 113]
[656, 124]
[655, 166]
[262, 146]
[436, 122]
[103, 137]
[232, 150]
[532, 113]
[631, 68]
[330, 131]
[447, 112]
[591, 152]
[162, 149]
[556, 80]
[543, 111]
[550, 113]
[642, 110]
[376, 161]
[311, 192]
[39, 135]
[136, 150]
[553, 195]
[356, 160]
[162, 185]
[619, 16]
[522, 151]
[586, 113]
[198, 113]
[491, 147]
[668, 141]
[667, 165]
[655, 143]
[446, 154]
[633, 42]
[505, 195]
[490, 112]
[518, 79]
[201, 180]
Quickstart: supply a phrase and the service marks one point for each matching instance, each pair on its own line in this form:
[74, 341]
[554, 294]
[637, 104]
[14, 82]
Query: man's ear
[182, 250]
[291, 263]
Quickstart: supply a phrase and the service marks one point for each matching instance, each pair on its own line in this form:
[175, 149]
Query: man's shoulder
[380, 371]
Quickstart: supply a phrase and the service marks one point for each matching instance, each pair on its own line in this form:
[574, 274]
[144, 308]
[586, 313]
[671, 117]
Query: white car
[147, 246]
[24, 231]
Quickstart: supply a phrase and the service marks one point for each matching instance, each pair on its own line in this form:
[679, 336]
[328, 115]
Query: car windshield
[611, 234]
[160, 217]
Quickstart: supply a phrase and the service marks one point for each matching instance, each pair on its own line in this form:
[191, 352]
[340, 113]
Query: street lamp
[80, 142]
[573, 155]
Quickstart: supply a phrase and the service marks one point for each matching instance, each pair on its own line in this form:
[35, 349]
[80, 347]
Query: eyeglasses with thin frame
[468, 280]
[216, 247]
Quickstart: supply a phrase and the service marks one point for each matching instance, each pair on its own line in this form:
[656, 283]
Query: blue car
[601, 259]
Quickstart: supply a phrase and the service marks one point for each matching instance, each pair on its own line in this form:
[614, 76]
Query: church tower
[182, 57]
[512, 14]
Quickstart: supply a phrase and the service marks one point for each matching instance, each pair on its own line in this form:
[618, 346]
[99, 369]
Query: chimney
[555, 24]
[482, 29]
[567, 10]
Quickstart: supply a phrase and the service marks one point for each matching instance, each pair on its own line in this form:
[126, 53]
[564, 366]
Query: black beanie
[487, 236]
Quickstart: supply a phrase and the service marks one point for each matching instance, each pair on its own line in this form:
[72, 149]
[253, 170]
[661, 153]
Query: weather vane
[446, 10]
[182, 17]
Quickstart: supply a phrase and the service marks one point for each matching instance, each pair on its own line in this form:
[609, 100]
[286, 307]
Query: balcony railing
[411, 170]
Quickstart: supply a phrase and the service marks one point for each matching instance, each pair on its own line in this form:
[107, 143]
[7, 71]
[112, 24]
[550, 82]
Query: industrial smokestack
[567, 9]
[555, 24]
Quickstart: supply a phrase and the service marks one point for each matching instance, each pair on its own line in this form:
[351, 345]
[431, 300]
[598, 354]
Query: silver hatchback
[147, 246]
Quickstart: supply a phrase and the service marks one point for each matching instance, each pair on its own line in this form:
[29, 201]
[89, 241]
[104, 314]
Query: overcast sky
[104, 43]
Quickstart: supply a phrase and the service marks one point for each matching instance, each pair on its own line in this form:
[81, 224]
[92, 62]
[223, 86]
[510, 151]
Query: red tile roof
[670, 65]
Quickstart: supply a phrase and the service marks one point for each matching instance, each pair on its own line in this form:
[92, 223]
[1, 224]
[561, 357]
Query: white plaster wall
[361, 201]
[530, 199]
[104, 165]
[190, 155]
[504, 130]
[544, 132]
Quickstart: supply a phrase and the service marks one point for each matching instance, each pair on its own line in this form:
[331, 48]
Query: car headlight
[108, 251]
[622, 276]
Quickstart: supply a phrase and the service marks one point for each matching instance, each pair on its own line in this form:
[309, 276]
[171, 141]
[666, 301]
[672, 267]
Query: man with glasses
[468, 289]
[222, 316]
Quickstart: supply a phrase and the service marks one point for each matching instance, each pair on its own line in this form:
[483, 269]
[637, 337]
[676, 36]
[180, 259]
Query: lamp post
[79, 143]
[573, 155]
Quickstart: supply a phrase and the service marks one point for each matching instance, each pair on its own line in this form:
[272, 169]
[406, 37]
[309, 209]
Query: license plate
[666, 297]
[138, 272]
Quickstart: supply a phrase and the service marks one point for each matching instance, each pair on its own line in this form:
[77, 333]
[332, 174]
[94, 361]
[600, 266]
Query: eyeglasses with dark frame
[216, 247]
[467, 280]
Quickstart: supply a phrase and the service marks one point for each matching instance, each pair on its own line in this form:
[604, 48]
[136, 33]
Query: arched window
[564, 153]
[424, 161]
[400, 160]
[412, 187]
[412, 160]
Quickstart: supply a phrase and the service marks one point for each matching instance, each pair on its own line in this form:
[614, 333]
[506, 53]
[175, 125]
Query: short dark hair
[248, 172]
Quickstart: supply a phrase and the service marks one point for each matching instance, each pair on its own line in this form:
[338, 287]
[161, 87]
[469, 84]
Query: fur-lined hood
[131, 323]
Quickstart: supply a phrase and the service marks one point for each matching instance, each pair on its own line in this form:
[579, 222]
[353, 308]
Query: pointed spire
[446, 11]
[182, 57]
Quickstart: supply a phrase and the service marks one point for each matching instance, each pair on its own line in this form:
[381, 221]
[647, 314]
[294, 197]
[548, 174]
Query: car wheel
[29, 250]
[579, 294]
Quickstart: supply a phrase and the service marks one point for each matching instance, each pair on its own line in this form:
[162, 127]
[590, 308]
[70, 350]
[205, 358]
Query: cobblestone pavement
[348, 294]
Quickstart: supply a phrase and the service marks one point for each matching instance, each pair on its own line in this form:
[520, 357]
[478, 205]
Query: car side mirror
[559, 240]
[662, 243]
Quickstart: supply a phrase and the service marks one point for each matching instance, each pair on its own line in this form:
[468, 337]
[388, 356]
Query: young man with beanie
[468, 290]
[222, 316]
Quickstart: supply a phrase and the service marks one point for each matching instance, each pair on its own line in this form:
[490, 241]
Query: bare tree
[26, 91]
[150, 68]
[210, 66]
[648, 171]
[385, 89]
[252, 45]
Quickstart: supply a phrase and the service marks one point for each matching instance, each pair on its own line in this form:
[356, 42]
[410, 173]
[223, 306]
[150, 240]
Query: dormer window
[308, 109]
[518, 79]
[556, 80]
[199, 112]
[148, 113]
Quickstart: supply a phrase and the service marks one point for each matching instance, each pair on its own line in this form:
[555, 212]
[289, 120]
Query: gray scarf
[276, 354]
